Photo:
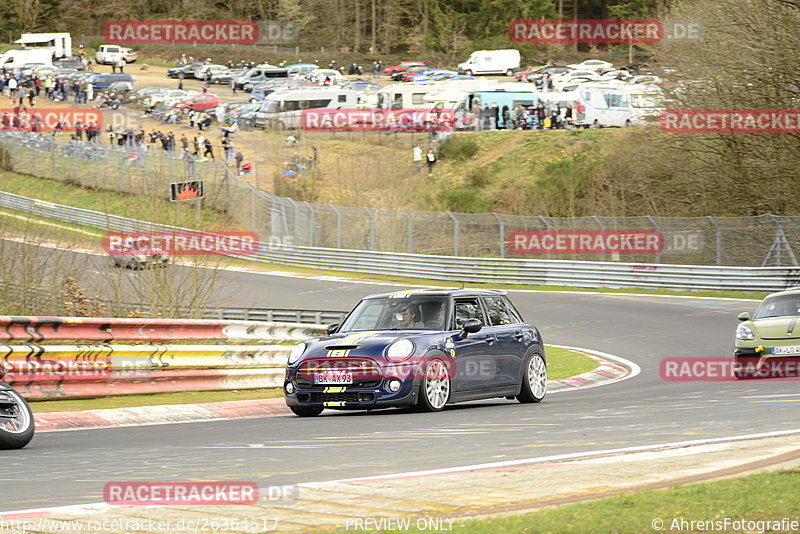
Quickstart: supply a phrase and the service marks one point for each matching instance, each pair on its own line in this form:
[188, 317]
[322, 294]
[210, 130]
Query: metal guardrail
[747, 241]
[458, 269]
[225, 355]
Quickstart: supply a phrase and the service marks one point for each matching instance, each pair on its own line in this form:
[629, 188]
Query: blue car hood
[370, 343]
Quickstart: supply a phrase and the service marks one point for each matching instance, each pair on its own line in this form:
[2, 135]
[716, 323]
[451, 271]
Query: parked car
[388, 71]
[102, 81]
[319, 76]
[405, 74]
[186, 71]
[225, 76]
[770, 338]
[593, 64]
[299, 70]
[108, 54]
[260, 74]
[200, 73]
[425, 349]
[145, 93]
[198, 102]
[168, 98]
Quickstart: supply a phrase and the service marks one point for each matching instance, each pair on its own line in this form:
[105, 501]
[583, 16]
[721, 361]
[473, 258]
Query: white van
[491, 62]
[415, 95]
[282, 110]
[57, 44]
[14, 59]
[109, 54]
[620, 104]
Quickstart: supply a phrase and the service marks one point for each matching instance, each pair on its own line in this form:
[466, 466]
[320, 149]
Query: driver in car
[407, 316]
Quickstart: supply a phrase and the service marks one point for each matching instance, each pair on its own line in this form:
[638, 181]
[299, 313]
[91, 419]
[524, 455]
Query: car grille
[362, 369]
[334, 397]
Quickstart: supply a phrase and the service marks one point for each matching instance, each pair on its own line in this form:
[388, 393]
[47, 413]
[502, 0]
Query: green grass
[760, 497]
[767, 496]
[149, 208]
[562, 363]
[154, 399]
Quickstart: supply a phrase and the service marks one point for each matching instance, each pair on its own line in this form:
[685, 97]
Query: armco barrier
[466, 269]
[38, 329]
[38, 367]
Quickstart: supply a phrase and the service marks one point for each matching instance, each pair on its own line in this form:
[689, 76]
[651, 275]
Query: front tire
[534, 380]
[17, 427]
[510, 72]
[306, 411]
[434, 391]
[468, 72]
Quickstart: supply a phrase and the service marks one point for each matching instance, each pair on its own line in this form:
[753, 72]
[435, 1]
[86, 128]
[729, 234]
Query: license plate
[785, 351]
[331, 377]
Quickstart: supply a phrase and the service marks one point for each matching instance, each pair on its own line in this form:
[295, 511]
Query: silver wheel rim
[537, 376]
[21, 420]
[437, 384]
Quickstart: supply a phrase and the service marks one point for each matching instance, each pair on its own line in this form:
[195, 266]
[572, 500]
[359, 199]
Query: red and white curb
[607, 372]
[610, 369]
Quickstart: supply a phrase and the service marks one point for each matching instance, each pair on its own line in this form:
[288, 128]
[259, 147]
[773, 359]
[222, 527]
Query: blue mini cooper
[420, 348]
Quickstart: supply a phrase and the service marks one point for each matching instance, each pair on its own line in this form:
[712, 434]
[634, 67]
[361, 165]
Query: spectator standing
[238, 158]
[209, 149]
[417, 158]
[430, 159]
[121, 64]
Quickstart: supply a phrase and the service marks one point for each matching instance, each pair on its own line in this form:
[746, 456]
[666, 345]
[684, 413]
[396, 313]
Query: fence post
[502, 233]
[548, 226]
[655, 226]
[602, 228]
[455, 233]
[410, 231]
[372, 224]
[253, 209]
[338, 226]
[718, 232]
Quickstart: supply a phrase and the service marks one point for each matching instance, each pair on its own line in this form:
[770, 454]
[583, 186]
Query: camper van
[491, 62]
[415, 95]
[282, 110]
[616, 104]
[58, 44]
[14, 59]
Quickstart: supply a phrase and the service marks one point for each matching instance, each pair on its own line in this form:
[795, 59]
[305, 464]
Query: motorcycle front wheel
[16, 420]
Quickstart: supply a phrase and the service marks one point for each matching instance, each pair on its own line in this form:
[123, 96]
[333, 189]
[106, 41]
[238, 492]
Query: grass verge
[760, 498]
[561, 364]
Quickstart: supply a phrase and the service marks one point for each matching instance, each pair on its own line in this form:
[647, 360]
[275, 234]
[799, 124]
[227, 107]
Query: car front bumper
[352, 397]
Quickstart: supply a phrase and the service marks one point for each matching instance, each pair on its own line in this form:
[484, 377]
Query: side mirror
[331, 328]
[471, 326]
[744, 316]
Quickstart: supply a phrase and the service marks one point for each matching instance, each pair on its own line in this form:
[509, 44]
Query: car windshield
[415, 313]
[783, 306]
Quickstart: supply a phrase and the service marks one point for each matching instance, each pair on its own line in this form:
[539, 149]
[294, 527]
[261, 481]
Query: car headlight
[400, 350]
[745, 333]
[297, 351]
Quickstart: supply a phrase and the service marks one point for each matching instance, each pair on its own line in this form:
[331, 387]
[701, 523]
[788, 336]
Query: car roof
[790, 291]
[438, 292]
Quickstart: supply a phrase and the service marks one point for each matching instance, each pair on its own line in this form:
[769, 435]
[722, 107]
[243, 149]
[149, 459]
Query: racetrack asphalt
[285, 450]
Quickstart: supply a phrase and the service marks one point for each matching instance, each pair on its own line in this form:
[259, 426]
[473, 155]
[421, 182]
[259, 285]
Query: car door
[507, 327]
[475, 356]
